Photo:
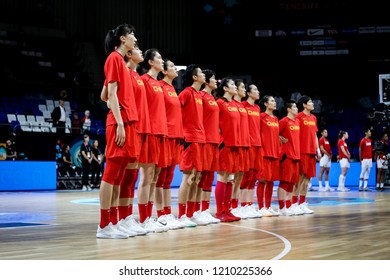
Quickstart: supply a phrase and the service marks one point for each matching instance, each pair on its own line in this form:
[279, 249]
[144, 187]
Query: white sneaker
[273, 212]
[322, 189]
[184, 220]
[265, 213]
[173, 222]
[304, 207]
[152, 225]
[84, 189]
[207, 216]
[134, 225]
[111, 232]
[240, 212]
[122, 226]
[329, 189]
[251, 212]
[296, 209]
[285, 212]
[198, 219]
[89, 188]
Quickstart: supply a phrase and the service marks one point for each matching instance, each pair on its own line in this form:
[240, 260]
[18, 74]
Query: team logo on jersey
[253, 113]
[294, 127]
[198, 101]
[306, 122]
[157, 89]
[232, 109]
[172, 93]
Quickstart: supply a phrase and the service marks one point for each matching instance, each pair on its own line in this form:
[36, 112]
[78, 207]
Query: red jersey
[192, 112]
[366, 148]
[173, 110]
[289, 129]
[340, 143]
[253, 123]
[308, 136]
[244, 127]
[155, 96]
[269, 134]
[115, 70]
[324, 142]
[210, 118]
[229, 123]
[143, 124]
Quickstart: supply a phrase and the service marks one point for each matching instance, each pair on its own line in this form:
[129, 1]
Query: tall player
[156, 157]
[175, 136]
[289, 158]
[271, 149]
[120, 126]
[247, 186]
[229, 124]
[191, 164]
[310, 152]
[211, 151]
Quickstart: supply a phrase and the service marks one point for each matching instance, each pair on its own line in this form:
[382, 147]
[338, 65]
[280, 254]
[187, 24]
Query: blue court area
[23, 219]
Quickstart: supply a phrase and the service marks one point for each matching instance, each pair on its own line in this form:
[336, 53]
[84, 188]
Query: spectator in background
[86, 121]
[96, 165]
[296, 95]
[317, 106]
[59, 117]
[279, 104]
[67, 164]
[86, 160]
[76, 123]
[11, 151]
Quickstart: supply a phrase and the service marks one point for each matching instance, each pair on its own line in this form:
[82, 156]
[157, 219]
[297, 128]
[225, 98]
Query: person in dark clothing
[86, 159]
[11, 151]
[96, 165]
[59, 117]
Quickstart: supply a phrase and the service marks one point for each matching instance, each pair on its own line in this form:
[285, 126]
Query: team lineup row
[209, 126]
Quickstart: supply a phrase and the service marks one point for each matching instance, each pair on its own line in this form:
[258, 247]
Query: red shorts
[144, 148]
[192, 157]
[210, 157]
[153, 152]
[307, 165]
[289, 170]
[243, 159]
[174, 151]
[163, 159]
[129, 150]
[115, 168]
[255, 158]
[271, 169]
[229, 159]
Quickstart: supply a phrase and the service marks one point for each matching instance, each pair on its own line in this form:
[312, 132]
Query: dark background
[216, 34]
[220, 35]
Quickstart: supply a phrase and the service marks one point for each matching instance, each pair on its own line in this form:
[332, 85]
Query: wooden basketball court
[61, 225]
